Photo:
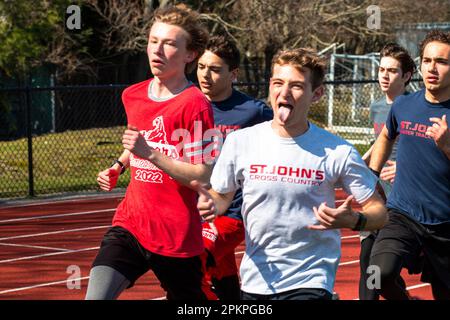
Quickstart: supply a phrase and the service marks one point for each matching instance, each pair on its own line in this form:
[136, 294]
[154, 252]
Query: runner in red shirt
[157, 225]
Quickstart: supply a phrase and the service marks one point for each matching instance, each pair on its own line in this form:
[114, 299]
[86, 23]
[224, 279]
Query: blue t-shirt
[236, 112]
[422, 181]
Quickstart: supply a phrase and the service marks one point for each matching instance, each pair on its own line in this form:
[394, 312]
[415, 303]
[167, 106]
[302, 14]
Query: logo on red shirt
[157, 139]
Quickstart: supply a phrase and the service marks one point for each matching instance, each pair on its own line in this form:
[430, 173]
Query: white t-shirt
[282, 179]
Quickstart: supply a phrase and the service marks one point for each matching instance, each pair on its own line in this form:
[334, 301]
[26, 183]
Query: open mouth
[284, 110]
[205, 84]
[157, 62]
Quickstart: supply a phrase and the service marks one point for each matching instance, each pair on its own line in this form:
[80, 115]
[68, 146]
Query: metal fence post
[30, 142]
[331, 93]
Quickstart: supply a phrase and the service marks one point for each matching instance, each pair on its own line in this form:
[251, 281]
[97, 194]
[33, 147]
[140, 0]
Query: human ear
[318, 93]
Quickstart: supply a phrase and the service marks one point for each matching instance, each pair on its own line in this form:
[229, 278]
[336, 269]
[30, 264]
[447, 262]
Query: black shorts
[295, 294]
[181, 278]
[424, 248]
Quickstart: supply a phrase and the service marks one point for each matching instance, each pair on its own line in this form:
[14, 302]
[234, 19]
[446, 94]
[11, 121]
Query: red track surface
[40, 241]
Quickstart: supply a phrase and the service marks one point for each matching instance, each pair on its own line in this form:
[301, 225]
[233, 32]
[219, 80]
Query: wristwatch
[361, 223]
[120, 163]
[375, 172]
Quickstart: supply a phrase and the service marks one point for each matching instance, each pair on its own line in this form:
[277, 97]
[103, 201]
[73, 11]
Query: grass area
[63, 162]
[362, 148]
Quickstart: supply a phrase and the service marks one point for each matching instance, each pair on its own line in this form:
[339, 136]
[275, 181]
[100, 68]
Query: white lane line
[94, 248]
[348, 262]
[158, 298]
[56, 215]
[59, 201]
[33, 247]
[417, 286]
[48, 284]
[350, 237]
[47, 255]
[84, 278]
[52, 232]
[42, 285]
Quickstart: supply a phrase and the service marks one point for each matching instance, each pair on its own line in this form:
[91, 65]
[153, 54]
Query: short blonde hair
[301, 58]
[189, 20]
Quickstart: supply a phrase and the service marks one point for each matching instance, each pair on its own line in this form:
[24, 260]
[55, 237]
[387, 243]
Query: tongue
[283, 113]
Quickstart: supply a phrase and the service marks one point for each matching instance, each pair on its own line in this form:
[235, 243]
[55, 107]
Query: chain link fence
[56, 139]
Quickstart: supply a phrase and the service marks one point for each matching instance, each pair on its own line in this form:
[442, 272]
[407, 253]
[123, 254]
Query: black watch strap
[120, 163]
[361, 223]
[375, 172]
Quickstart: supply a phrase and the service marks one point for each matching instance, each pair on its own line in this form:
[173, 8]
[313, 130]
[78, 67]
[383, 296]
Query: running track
[46, 248]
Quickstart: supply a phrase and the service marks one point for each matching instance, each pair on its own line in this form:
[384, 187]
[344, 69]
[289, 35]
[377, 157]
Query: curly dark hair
[434, 35]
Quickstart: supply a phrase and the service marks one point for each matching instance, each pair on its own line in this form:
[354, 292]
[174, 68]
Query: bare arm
[366, 156]
[387, 173]
[375, 212]
[107, 179]
[382, 149]
[125, 159]
[183, 172]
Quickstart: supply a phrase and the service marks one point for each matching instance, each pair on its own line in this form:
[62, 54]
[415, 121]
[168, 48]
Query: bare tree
[260, 27]
[126, 23]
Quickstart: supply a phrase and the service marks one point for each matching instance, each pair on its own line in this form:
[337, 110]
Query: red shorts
[230, 233]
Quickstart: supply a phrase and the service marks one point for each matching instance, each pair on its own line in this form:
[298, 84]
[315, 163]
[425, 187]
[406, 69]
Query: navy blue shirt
[236, 112]
[422, 181]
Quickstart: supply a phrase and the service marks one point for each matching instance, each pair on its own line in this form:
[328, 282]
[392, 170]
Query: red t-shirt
[161, 213]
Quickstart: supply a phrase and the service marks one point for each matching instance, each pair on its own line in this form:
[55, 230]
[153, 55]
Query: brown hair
[434, 35]
[303, 58]
[189, 20]
[400, 54]
[226, 49]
